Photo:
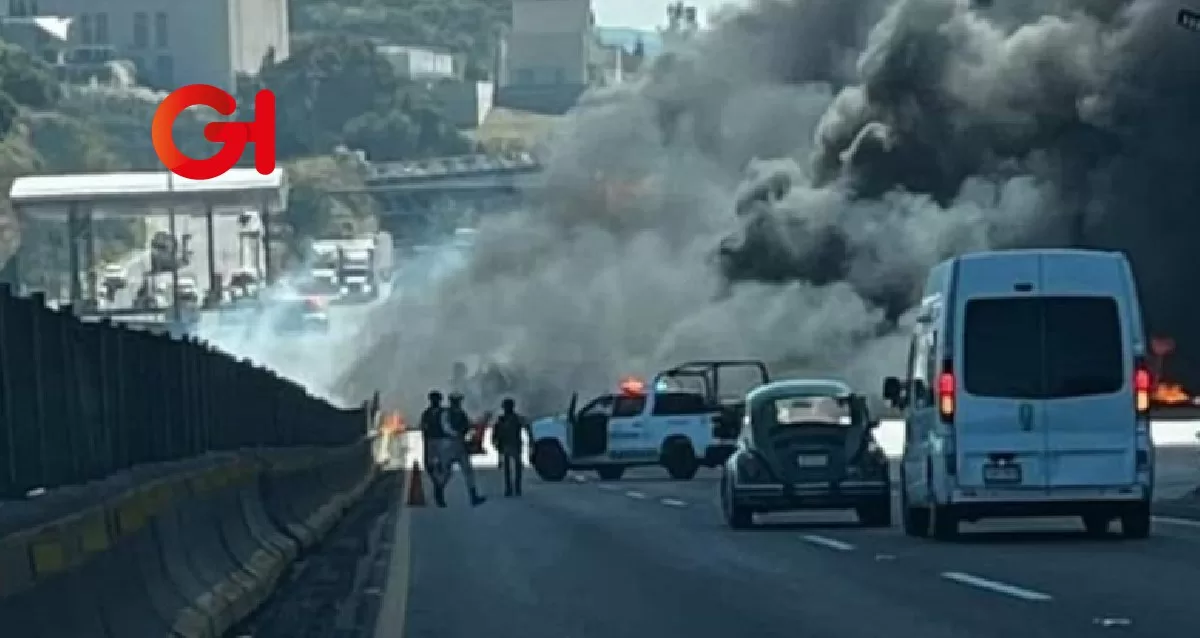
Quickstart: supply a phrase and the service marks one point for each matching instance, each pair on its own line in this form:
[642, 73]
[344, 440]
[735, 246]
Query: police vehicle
[806, 444]
[1027, 393]
[689, 419]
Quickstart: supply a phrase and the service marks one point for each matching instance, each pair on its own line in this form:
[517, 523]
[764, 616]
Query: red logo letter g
[232, 135]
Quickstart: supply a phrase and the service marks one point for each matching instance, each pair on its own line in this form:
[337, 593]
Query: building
[171, 42]
[546, 58]
[420, 63]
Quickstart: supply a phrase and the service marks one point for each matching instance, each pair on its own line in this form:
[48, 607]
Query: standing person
[454, 451]
[433, 432]
[506, 438]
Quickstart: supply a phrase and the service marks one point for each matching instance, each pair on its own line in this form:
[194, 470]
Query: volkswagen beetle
[806, 444]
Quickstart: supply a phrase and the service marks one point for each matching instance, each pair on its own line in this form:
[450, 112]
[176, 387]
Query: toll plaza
[80, 200]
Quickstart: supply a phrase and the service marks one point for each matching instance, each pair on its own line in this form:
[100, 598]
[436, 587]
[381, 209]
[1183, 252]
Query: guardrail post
[74, 429]
[9, 485]
[120, 375]
[106, 374]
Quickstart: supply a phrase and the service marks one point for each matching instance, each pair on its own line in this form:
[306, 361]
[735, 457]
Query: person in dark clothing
[432, 433]
[506, 438]
[451, 450]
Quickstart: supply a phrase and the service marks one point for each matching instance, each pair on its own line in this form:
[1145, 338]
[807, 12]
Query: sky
[646, 14]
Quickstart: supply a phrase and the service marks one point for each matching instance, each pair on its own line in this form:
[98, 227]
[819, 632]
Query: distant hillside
[626, 38]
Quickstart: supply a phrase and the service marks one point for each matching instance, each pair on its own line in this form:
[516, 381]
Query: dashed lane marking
[607, 487]
[672, 502]
[1181, 522]
[997, 587]
[831, 543]
[638, 495]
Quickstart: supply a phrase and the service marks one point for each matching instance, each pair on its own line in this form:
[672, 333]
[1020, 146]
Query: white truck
[689, 417]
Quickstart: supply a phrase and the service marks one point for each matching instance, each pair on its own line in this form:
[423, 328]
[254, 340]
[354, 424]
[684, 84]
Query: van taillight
[945, 393]
[1141, 388]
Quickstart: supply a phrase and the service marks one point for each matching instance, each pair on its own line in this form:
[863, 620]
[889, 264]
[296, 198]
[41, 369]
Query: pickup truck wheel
[610, 472]
[549, 461]
[680, 459]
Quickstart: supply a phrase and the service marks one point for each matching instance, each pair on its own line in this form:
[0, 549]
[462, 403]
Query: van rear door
[1000, 436]
[1089, 411]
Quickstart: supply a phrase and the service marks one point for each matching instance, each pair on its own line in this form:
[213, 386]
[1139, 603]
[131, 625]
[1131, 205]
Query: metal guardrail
[82, 400]
[452, 167]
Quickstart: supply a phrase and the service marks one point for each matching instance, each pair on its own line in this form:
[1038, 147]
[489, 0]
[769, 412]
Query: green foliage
[465, 27]
[338, 90]
[28, 81]
[315, 209]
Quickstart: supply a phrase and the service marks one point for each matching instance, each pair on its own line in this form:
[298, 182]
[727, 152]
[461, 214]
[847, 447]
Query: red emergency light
[632, 386]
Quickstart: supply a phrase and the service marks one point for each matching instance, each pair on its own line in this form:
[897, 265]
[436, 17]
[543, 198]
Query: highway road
[650, 557]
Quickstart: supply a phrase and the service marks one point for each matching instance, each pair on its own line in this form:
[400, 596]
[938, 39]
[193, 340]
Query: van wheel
[680, 459]
[549, 461]
[943, 522]
[1135, 522]
[915, 520]
[610, 472]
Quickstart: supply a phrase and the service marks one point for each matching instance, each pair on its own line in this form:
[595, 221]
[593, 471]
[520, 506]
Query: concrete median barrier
[185, 555]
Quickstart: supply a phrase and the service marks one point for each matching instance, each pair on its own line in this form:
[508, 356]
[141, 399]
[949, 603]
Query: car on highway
[689, 419]
[1027, 393]
[806, 444]
[300, 315]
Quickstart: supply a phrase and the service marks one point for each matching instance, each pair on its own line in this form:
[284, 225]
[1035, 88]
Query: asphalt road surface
[647, 556]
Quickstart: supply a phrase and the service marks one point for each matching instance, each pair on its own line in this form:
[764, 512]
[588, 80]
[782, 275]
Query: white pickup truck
[685, 421]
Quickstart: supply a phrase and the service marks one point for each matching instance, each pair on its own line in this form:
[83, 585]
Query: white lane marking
[831, 543]
[1182, 522]
[637, 495]
[673, 502]
[997, 587]
[608, 487]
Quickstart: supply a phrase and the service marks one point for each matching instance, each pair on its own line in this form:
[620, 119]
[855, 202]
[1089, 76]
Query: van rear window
[1042, 347]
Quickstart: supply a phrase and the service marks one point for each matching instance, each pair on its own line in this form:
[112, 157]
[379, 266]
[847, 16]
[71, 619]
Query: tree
[338, 90]
[465, 27]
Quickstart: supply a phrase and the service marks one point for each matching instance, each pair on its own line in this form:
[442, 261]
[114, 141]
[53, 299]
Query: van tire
[914, 520]
[1135, 522]
[943, 522]
[680, 459]
[610, 472]
[549, 461]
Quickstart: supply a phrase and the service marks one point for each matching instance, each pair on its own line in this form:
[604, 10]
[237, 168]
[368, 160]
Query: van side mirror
[892, 392]
[873, 424]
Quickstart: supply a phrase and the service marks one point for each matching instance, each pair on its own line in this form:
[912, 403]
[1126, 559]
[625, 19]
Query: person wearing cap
[452, 450]
[506, 438]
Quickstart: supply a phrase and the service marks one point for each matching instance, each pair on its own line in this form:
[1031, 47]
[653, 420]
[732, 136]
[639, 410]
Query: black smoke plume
[779, 187]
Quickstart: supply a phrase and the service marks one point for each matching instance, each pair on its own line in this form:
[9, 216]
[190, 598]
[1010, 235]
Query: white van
[1027, 394]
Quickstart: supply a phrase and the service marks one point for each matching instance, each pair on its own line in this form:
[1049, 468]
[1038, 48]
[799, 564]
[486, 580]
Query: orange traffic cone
[416, 487]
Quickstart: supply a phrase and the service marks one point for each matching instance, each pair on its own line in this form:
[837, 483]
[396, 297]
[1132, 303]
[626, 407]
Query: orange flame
[1171, 394]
